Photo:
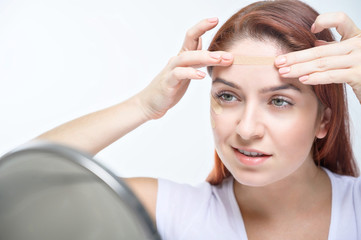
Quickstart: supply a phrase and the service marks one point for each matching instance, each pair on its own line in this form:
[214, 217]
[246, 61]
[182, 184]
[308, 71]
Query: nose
[251, 125]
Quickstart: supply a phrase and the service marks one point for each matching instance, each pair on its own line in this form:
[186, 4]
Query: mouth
[251, 157]
[251, 154]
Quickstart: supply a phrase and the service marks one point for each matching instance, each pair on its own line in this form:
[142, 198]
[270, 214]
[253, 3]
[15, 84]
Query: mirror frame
[86, 161]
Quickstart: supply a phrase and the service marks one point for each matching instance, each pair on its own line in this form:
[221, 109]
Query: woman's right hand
[153, 102]
[169, 86]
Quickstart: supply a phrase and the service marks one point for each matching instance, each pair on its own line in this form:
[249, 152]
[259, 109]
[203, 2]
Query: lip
[251, 161]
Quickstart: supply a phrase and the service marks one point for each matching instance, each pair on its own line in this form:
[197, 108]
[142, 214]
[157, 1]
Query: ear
[323, 126]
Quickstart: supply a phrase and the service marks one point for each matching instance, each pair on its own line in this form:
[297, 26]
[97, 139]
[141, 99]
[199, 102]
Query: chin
[251, 183]
[253, 179]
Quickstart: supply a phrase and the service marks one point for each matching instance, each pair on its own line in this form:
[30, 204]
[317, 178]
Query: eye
[280, 102]
[227, 97]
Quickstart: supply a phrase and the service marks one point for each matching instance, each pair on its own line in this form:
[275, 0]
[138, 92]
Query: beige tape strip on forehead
[253, 60]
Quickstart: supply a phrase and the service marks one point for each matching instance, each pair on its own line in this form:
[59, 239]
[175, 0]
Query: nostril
[250, 124]
[250, 130]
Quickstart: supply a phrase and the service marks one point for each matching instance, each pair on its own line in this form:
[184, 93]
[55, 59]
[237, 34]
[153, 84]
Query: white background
[62, 59]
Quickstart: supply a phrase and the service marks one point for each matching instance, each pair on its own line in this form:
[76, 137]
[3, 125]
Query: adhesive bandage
[213, 123]
[217, 109]
[253, 60]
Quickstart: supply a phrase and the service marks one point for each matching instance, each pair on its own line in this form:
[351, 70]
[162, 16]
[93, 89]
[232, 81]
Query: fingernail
[201, 74]
[284, 70]
[303, 78]
[213, 20]
[280, 60]
[227, 56]
[215, 55]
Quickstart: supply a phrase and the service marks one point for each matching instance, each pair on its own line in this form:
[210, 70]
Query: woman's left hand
[336, 62]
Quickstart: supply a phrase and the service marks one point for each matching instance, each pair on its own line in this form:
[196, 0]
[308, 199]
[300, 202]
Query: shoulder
[174, 197]
[346, 189]
[183, 209]
[345, 184]
[192, 195]
[145, 190]
[167, 188]
[346, 205]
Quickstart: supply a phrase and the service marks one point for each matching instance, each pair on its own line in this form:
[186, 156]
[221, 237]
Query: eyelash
[221, 95]
[287, 103]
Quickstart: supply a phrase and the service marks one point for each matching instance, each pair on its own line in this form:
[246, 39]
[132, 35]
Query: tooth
[253, 154]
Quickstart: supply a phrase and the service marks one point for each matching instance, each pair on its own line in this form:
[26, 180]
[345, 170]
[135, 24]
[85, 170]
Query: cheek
[224, 126]
[289, 133]
[294, 135]
[220, 127]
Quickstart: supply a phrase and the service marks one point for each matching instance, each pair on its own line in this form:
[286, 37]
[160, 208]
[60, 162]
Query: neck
[301, 191]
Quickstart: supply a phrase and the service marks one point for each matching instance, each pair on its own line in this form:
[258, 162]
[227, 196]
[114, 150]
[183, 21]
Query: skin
[164, 91]
[251, 120]
[265, 209]
[280, 122]
[336, 62]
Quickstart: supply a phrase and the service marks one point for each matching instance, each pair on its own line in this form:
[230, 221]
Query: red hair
[288, 23]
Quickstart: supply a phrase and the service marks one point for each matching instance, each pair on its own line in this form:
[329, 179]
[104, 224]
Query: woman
[280, 171]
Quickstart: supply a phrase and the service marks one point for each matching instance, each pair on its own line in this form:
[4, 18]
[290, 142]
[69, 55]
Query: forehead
[251, 48]
[256, 75]
[254, 47]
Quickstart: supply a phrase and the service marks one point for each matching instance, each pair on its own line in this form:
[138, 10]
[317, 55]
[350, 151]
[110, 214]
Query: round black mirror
[48, 191]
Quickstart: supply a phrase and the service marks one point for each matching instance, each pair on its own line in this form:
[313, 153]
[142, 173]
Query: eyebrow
[263, 90]
[220, 80]
[281, 87]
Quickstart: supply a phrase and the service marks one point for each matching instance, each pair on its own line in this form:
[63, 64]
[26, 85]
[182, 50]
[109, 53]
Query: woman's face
[264, 126]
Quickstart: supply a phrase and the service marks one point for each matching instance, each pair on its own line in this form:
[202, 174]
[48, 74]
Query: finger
[323, 43]
[179, 74]
[343, 24]
[332, 76]
[317, 65]
[199, 47]
[201, 59]
[291, 58]
[191, 41]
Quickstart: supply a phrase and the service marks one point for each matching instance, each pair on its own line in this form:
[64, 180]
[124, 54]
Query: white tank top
[186, 212]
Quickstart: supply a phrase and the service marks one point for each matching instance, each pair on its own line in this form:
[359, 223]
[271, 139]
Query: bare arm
[93, 132]
[146, 190]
